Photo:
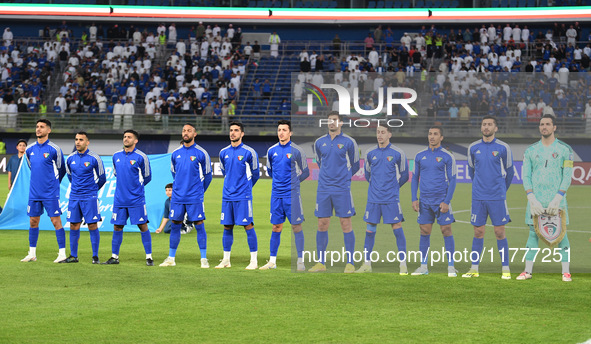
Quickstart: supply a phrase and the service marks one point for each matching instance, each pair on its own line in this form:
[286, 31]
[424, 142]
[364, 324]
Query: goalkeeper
[547, 173]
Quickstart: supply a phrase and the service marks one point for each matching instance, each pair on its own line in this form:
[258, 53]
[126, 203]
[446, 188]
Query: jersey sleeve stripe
[470, 162]
[453, 160]
[402, 158]
[509, 153]
[58, 152]
[207, 158]
[146, 163]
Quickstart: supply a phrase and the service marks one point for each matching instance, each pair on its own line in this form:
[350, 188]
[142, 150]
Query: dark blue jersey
[86, 174]
[288, 167]
[133, 173]
[47, 165]
[191, 170]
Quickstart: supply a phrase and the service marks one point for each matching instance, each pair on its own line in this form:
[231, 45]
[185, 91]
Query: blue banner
[14, 215]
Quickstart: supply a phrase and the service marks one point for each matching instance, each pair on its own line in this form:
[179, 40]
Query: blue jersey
[191, 170]
[47, 165]
[240, 166]
[490, 165]
[434, 175]
[338, 161]
[86, 174]
[386, 170]
[133, 173]
[288, 167]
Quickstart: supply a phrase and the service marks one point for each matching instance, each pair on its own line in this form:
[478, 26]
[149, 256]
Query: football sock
[565, 247]
[175, 238]
[321, 244]
[477, 245]
[349, 245]
[424, 244]
[400, 243]
[74, 239]
[201, 239]
[95, 239]
[274, 244]
[503, 246]
[529, 266]
[33, 237]
[299, 242]
[60, 234]
[450, 248]
[532, 245]
[147, 241]
[370, 239]
[251, 237]
[116, 243]
[228, 239]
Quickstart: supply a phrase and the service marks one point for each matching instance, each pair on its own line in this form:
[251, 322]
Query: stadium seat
[389, 4]
[420, 4]
[512, 3]
[380, 4]
[371, 4]
[455, 4]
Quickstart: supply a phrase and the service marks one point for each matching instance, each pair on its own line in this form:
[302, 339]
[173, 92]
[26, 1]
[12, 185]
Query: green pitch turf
[43, 302]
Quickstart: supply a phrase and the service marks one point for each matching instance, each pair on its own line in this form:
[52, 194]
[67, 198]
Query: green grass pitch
[43, 302]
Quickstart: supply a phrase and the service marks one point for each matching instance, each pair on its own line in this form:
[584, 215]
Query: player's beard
[188, 140]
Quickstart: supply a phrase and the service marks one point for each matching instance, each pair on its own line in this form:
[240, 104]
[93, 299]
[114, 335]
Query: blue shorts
[282, 207]
[341, 202]
[52, 207]
[137, 215]
[236, 213]
[390, 212]
[429, 212]
[195, 212]
[496, 210]
[89, 209]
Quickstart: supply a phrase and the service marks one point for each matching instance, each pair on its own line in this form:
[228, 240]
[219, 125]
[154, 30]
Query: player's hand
[535, 207]
[554, 205]
[158, 230]
[415, 206]
[443, 207]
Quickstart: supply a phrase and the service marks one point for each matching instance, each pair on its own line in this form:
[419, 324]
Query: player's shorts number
[222, 217]
[473, 218]
[172, 213]
[115, 216]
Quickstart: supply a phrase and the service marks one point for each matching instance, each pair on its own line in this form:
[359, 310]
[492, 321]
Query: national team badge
[438, 159]
[495, 153]
[288, 155]
[45, 155]
[86, 164]
[340, 145]
[132, 162]
[192, 158]
[551, 229]
[389, 158]
[240, 157]
[555, 155]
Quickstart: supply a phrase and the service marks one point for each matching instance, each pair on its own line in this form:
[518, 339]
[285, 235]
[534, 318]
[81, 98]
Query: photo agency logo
[401, 96]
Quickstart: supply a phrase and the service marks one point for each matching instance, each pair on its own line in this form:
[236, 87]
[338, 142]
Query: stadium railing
[305, 125]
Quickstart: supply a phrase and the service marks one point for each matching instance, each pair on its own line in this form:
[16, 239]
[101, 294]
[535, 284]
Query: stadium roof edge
[262, 16]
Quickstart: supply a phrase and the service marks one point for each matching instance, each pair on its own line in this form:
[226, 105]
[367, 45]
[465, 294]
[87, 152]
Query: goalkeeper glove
[554, 205]
[535, 207]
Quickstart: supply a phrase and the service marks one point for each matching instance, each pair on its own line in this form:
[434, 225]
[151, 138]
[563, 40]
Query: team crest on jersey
[192, 158]
[288, 155]
[389, 158]
[240, 157]
[340, 145]
[555, 155]
[45, 155]
[86, 164]
[132, 162]
[495, 153]
[438, 159]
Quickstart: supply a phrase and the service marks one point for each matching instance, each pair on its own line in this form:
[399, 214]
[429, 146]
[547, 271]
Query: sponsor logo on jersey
[240, 157]
[477, 152]
[389, 158]
[132, 162]
[340, 145]
[86, 164]
[275, 154]
[178, 156]
[374, 158]
[288, 155]
[438, 159]
[73, 162]
[423, 158]
[495, 153]
[45, 155]
[32, 153]
[192, 158]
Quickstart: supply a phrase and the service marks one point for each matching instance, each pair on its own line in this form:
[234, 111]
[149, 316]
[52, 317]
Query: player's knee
[277, 228]
[118, 228]
[177, 222]
[446, 230]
